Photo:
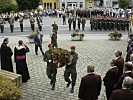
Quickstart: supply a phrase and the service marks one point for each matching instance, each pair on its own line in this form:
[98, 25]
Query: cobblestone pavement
[95, 49]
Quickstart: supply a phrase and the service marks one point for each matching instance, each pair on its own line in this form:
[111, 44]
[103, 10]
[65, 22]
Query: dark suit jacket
[120, 81]
[111, 78]
[122, 95]
[37, 40]
[120, 65]
[90, 87]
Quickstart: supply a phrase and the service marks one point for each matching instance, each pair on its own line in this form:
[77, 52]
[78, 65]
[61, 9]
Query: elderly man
[127, 69]
[126, 93]
[90, 86]
[111, 79]
[120, 62]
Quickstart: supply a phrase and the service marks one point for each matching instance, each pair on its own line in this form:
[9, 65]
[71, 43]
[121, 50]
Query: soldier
[11, 22]
[32, 21]
[51, 69]
[74, 23]
[83, 24]
[54, 39]
[55, 27]
[21, 23]
[91, 23]
[69, 22]
[2, 25]
[79, 21]
[71, 70]
[39, 22]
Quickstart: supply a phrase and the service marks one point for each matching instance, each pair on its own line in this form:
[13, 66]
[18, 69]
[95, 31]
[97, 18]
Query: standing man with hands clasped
[38, 42]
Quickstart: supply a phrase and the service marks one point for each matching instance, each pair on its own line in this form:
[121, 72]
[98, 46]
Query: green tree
[27, 4]
[124, 3]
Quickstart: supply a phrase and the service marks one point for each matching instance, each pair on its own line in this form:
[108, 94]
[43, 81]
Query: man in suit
[120, 62]
[90, 85]
[111, 79]
[38, 42]
[126, 93]
[128, 68]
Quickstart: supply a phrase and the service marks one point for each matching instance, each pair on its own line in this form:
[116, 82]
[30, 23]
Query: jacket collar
[20, 47]
[113, 67]
[127, 72]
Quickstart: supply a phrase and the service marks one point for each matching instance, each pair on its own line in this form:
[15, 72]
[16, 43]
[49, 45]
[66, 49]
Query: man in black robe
[20, 60]
[6, 54]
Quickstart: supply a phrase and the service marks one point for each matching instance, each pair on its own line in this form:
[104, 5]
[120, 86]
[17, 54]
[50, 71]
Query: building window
[54, 5]
[50, 5]
[63, 4]
[81, 5]
[47, 5]
[44, 5]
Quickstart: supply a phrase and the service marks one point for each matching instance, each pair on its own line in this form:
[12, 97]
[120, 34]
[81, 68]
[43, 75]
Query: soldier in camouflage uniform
[2, 25]
[39, 22]
[55, 27]
[54, 39]
[83, 23]
[32, 21]
[11, 22]
[51, 69]
[69, 22]
[21, 23]
[71, 70]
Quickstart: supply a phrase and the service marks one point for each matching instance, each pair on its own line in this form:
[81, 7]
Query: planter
[31, 40]
[113, 38]
[77, 38]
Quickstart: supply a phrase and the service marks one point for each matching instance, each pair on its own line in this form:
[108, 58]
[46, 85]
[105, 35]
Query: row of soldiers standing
[21, 19]
[72, 20]
[109, 23]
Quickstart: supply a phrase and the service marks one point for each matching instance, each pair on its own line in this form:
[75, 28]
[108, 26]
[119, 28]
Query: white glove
[49, 61]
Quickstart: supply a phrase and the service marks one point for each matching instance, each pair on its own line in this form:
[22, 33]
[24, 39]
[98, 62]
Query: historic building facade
[50, 4]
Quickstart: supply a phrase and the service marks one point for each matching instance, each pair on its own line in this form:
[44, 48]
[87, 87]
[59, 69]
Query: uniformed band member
[51, 69]
[54, 39]
[32, 21]
[2, 25]
[74, 23]
[39, 22]
[79, 22]
[11, 22]
[83, 23]
[64, 18]
[21, 23]
[69, 22]
[71, 70]
[55, 27]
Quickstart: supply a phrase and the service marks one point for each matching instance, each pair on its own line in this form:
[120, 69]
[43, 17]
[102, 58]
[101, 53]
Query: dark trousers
[32, 27]
[40, 27]
[69, 26]
[79, 26]
[2, 28]
[108, 92]
[36, 49]
[51, 73]
[83, 27]
[11, 28]
[21, 27]
[64, 21]
[73, 73]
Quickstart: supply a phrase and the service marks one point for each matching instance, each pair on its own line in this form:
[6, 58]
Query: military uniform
[64, 19]
[32, 21]
[79, 21]
[11, 22]
[2, 25]
[69, 22]
[83, 24]
[54, 39]
[51, 70]
[21, 23]
[55, 27]
[39, 22]
[71, 70]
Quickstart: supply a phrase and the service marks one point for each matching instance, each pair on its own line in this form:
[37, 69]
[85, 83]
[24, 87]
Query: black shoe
[53, 87]
[68, 84]
[72, 90]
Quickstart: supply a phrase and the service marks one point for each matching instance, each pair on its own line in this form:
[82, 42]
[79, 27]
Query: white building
[72, 4]
[110, 3]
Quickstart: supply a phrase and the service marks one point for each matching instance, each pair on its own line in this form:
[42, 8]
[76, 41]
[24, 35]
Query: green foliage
[8, 90]
[124, 3]
[27, 4]
[7, 7]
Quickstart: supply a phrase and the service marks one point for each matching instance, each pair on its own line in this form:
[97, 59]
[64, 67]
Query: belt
[20, 57]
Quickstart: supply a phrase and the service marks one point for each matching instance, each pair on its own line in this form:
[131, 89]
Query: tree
[27, 4]
[124, 3]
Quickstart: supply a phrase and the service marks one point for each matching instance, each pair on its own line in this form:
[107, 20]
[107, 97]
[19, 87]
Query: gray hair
[127, 83]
